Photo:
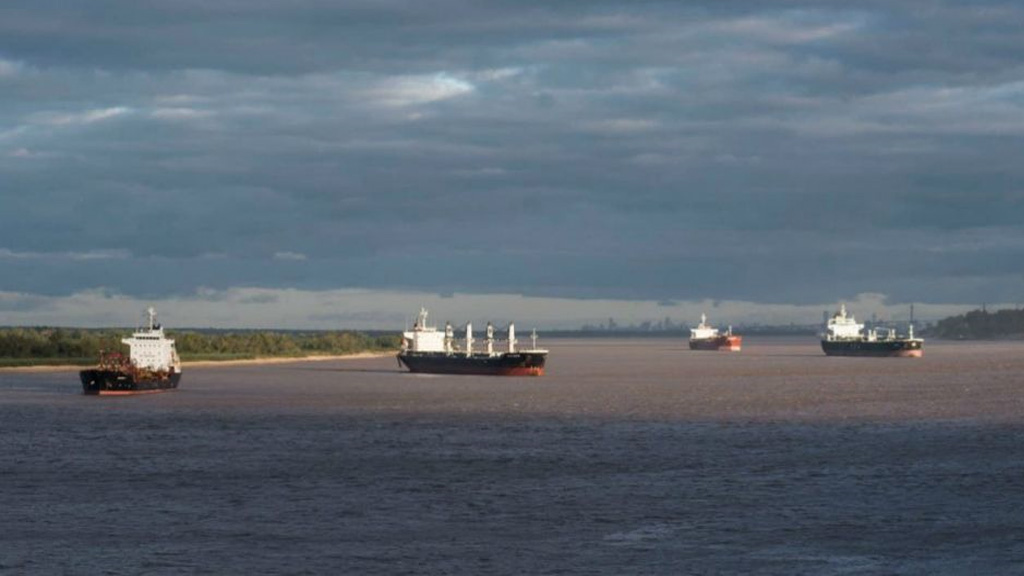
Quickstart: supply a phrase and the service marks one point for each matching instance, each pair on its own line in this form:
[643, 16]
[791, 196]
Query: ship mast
[421, 320]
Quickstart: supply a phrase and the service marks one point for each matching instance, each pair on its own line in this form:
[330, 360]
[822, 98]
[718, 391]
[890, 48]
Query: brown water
[629, 457]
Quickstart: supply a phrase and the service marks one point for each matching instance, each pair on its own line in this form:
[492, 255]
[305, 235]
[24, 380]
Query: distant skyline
[339, 164]
[393, 310]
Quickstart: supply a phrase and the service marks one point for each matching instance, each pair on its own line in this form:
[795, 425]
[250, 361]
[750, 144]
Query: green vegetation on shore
[982, 324]
[79, 346]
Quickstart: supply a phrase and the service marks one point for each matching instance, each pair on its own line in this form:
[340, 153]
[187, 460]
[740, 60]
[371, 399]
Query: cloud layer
[783, 154]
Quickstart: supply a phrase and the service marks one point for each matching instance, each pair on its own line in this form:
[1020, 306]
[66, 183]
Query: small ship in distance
[152, 365]
[707, 337]
[425, 349]
[843, 337]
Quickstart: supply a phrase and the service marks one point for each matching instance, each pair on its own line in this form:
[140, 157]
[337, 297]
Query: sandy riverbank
[211, 363]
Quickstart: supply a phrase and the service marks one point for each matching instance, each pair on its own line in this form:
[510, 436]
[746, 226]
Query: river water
[629, 457]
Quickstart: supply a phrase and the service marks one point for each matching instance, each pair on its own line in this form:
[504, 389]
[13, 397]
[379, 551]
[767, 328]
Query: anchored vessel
[425, 349]
[707, 337]
[152, 365]
[843, 337]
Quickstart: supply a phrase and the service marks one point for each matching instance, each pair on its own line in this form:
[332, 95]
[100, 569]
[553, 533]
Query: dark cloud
[796, 152]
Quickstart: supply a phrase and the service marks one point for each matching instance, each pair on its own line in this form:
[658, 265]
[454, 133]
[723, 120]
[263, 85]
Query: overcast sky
[324, 163]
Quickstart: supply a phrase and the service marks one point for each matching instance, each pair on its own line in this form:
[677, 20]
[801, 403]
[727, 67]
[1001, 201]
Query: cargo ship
[152, 365]
[843, 337]
[426, 349]
[707, 337]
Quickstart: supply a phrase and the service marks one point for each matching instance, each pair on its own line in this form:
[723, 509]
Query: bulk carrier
[843, 337]
[425, 349]
[152, 365]
[707, 337]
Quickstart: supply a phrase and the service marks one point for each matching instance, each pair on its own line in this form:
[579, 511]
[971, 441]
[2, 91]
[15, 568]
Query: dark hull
[117, 383]
[719, 343]
[508, 364]
[900, 348]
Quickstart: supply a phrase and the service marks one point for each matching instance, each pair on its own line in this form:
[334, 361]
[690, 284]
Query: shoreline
[209, 363]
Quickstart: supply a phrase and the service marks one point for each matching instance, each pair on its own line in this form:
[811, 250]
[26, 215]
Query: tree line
[982, 324]
[80, 343]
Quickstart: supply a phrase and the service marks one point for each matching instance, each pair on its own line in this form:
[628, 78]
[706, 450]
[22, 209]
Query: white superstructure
[843, 327]
[423, 338]
[149, 349]
[703, 331]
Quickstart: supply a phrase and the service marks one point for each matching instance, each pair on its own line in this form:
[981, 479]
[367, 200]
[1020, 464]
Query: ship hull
[97, 382]
[903, 348]
[508, 364]
[718, 343]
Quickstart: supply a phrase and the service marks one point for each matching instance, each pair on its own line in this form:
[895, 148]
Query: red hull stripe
[891, 354]
[524, 371]
[723, 343]
[126, 392]
[517, 371]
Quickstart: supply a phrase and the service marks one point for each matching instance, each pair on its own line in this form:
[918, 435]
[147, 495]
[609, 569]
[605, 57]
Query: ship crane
[449, 336]
[490, 339]
[440, 351]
